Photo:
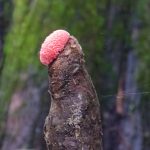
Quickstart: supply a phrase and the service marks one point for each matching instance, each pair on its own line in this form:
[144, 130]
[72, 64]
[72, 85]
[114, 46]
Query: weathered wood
[74, 121]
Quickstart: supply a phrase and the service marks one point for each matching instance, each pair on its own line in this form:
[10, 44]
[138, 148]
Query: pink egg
[53, 45]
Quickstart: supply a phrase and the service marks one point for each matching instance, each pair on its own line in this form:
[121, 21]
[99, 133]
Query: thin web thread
[126, 94]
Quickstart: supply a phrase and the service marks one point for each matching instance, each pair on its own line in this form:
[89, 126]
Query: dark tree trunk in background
[123, 125]
[26, 114]
[130, 123]
[129, 128]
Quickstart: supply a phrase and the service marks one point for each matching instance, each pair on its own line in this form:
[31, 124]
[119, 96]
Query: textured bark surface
[74, 121]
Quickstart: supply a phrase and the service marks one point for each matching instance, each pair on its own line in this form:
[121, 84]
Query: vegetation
[104, 31]
[144, 75]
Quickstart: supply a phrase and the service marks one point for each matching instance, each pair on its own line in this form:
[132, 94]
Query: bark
[74, 121]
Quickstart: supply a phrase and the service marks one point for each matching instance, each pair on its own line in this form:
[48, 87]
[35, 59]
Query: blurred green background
[115, 37]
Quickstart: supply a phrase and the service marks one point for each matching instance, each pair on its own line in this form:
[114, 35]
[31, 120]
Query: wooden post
[74, 121]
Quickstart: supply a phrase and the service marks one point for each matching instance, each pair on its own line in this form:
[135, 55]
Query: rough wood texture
[73, 122]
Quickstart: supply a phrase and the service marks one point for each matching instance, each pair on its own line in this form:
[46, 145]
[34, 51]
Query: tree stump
[74, 121]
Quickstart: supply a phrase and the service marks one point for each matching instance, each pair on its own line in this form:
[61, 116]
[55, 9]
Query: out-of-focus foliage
[89, 21]
[21, 44]
[143, 47]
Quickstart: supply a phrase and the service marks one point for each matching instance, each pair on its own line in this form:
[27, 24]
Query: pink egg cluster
[53, 45]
